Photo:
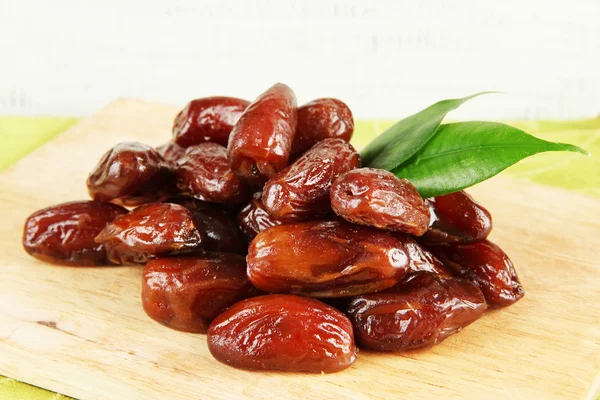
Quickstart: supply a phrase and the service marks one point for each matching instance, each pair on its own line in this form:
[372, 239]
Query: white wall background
[386, 58]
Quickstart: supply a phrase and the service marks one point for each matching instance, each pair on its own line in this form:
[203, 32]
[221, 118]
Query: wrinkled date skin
[171, 152]
[130, 174]
[301, 191]
[209, 119]
[150, 231]
[204, 173]
[187, 292]
[253, 218]
[423, 311]
[457, 218]
[375, 197]
[321, 119]
[283, 332]
[325, 259]
[421, 259]
[218, 229]
[486, 265]
[64, 234]
[261, 141]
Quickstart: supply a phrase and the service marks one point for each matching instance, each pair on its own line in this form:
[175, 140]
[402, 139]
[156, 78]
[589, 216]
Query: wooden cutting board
[82, 331]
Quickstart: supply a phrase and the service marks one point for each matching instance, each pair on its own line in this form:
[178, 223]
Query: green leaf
[465, 153]
[400, 142]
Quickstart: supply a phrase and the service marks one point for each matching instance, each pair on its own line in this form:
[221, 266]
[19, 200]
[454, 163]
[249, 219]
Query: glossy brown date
[64, 234]
[130, 174]
[204, 173]
[261, 141]
[171, 152]
[421, 259]
[301, 191]
[150, 231]
[218, 229]
[187, 292]
[457, 218]
[253, 218]
[421, 312]
[486, 265]
[209, 119]
[321, 119]
[375, 197]
[285, 333]
[325, 259]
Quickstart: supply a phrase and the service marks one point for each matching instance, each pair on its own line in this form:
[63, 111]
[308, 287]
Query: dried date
[486, 265]
[325, 259]
[260, 142]
[422, 311]
[130, 174]
[209, 119]
[171, 152]
[375, 197]
[204, 173]
[218, 229]
[64, 234]
[301, 191]
[187, 292]
[253, 218]
[321, 119]
[150, 231]
[421, 259]
[283, 332]
[457, 218]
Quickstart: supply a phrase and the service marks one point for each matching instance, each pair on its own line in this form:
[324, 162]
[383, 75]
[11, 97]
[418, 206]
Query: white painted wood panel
[386, 58]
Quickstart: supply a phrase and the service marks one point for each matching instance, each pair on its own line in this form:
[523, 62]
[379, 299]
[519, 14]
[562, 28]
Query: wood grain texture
[82, 331]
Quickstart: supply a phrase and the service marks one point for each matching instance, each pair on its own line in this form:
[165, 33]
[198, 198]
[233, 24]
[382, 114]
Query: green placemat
[21, 135]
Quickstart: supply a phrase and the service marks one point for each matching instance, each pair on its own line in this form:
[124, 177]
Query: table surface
[581, 174]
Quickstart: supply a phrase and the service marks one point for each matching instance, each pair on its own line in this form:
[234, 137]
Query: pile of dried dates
[257, 225]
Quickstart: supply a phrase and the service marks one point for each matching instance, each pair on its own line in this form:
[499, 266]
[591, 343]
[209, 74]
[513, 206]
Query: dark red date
[486, 265]
[218, 229]
[209, 119]
[375, 197]
[253, 218]
[204, 173]
[64, 234]
[421, 259]
[187, 292]
[171, 152]
[283, 332]
[130, 174]
[325, 259]
[457, 218]
[261, 141]
[301, 191]
[321, 119]
[150, 231]
[423, 311]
